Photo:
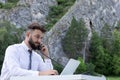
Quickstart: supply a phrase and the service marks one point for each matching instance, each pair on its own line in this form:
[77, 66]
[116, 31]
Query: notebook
[71, 67]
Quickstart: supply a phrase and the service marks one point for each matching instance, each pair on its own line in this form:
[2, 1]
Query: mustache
[37, 43]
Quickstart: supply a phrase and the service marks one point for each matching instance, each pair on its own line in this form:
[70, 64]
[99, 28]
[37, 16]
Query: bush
[116, 65]
[12, 1]
[82, 67]
[100, 57]
[58, 67]
[56, 12]
[1, 5]
[105, 51]
[9, 4]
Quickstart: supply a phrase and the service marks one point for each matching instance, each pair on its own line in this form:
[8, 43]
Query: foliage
[116, 52]
[56, 12]
[86, 68]
[9, 4]
[90, 68]
[113, 78]
[105, 51]
[116, 65]
[12, 1]
[116, 42]
[82, 67]
[75, 38]
[9, 35]
[106, 36]
[58, 67]
[99, 56]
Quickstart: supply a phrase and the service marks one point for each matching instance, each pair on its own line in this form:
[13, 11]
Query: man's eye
[37, 36]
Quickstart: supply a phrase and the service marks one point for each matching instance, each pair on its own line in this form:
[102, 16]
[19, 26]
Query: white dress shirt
[16, 62]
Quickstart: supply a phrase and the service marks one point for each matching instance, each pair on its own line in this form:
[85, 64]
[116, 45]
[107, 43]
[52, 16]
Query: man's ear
[27, 33]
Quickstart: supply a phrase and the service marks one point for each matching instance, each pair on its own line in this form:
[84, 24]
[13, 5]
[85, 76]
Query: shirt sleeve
[12, 63]
[45, 65]
[49, 62]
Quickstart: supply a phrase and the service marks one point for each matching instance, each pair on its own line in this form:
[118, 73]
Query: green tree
[116, 52]
[100, 57]
[75, 38]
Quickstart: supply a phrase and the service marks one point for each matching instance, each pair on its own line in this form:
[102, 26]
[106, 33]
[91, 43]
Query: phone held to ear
[39, 47]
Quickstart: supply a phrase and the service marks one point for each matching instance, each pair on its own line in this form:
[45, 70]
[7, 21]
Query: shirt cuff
[34, 73]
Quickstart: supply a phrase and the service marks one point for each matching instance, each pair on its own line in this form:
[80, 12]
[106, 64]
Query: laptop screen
[71, 67]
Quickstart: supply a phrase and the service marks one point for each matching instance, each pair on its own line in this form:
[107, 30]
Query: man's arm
[13, 65]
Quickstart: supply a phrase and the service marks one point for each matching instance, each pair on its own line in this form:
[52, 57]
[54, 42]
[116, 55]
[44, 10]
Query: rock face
[94, 12]
[27, 11]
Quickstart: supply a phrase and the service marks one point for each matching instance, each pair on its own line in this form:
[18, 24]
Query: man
[22, 60]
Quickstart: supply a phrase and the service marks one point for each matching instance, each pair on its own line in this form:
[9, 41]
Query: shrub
[12, 1]
[56, 12]
[105, 51]
[9, 4]
[116, 65]
[82, 67]
[100, 57]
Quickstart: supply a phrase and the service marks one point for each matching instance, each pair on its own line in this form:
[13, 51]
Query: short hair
[36, 25]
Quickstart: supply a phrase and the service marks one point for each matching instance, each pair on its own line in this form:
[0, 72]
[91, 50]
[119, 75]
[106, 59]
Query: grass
[112, 78]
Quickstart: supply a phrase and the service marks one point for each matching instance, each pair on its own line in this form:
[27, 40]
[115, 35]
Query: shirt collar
[25, 46]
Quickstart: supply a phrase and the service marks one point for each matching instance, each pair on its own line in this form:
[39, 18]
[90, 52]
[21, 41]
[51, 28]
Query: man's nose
[39, 40]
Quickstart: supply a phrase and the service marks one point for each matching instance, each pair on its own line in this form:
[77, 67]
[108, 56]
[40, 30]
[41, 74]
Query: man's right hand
[48, 72]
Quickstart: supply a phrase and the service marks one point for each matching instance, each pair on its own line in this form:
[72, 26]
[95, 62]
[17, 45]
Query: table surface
[59, 77]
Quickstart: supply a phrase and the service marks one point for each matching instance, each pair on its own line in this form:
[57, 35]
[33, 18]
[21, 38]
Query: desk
[59, 77]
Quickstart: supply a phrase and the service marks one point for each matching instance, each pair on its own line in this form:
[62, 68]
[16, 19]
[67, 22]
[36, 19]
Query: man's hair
[35, 25]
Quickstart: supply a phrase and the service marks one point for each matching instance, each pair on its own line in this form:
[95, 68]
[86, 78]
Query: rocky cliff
[27, 11]
[94, 12]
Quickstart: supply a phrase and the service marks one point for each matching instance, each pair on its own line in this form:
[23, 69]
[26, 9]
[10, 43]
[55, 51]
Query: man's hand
[48, 72]
[44, 51]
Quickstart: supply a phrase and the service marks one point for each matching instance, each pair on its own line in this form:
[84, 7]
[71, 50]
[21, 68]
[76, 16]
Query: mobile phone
[39, 47]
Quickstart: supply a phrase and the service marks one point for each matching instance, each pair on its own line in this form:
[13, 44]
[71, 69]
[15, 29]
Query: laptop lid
[71, 67]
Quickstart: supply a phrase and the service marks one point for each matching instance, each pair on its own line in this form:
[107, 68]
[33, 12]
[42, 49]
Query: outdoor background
[86, 30]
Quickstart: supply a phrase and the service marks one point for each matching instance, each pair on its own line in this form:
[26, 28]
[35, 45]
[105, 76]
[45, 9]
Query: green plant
[58, 67]
[116, 52]
[105, 50]
[56, 12]
[75, 38]
[82, 67]
[100, 57]
[1, 5]
[116, 65]
[9, 4]
[12, 1]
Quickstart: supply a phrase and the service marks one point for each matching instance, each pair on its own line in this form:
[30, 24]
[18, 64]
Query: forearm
[16, 71]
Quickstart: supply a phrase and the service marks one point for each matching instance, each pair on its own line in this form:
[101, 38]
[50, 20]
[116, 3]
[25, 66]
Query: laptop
[71, 67]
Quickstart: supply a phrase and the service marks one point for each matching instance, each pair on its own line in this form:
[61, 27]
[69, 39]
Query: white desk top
[59, 77]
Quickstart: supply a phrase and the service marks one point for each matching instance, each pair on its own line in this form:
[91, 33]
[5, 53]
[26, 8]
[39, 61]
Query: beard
[32, 44]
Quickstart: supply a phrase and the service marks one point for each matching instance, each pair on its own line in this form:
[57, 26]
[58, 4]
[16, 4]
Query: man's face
[35, 39]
